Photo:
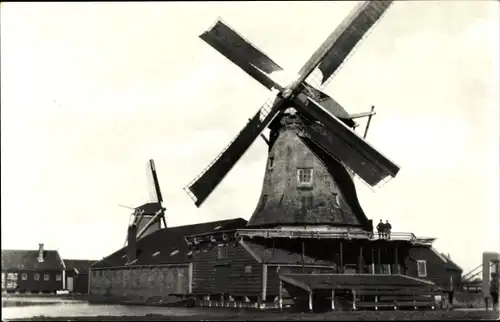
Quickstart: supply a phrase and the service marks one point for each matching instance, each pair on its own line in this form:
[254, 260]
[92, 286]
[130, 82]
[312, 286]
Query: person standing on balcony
[380, 229]
[388, 228]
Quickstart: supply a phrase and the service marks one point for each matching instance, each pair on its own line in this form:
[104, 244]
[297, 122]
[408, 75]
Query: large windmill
[148, 218]
[320, 122]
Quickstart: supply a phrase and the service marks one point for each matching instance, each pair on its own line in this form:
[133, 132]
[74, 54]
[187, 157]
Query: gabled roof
[28, 260]
[449, 264]
[167, 245]
[79, 265]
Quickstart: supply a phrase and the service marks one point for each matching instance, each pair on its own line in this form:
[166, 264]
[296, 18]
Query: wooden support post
[379, 262]
[341, 258]
[354, 300]
[396, 260]
[333, 299]
[264, 282]
[280, 298]
[303, 257]
[90, 281]
[360, 261]
[310, 301]
[373, 260]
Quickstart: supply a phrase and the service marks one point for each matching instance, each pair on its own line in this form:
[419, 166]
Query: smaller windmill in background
[149, 217]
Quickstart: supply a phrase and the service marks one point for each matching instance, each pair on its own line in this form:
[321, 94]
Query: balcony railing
[333, 234]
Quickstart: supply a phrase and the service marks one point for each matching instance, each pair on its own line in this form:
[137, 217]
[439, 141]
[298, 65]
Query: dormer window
[305, 176]
[156, 254]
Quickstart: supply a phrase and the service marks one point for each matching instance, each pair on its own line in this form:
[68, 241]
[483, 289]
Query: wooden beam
[280, 296]
[373, 260]
[303, 259]
[396, 259]
[90, 279]
[264, 282]
[379, 260]
[341, 258]
[310, 300]
[353, 299]
[190, 278]
[333, 299]
[264, 138]
[360, 260]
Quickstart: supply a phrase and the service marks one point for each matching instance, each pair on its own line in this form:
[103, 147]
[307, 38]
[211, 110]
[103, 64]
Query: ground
[35, 308]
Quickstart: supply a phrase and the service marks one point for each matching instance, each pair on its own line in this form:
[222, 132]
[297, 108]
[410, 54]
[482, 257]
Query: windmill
[324, 123]
[148, 217]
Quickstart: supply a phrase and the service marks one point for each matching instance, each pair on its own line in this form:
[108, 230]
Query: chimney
[40, 253]
[131, 243]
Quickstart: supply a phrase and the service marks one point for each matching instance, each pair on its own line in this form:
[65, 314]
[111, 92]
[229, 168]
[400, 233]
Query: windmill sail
[241, 52]
[350, 32]
[203, 186]
[345, 145]
[341, 41]
[159, 197]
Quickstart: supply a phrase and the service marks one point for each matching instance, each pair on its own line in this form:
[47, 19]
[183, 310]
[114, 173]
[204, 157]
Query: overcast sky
[91, 91]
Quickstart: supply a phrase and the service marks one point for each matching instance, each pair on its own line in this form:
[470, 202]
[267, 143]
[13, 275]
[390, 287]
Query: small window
[175, 252]
[156, 254]
[12, 280]
[46, 277]
[305, 176]
[422, 268]
[221, 252]
[24, 276]
[36, 277]
[58, 277]
[248, 269]
[271, 163]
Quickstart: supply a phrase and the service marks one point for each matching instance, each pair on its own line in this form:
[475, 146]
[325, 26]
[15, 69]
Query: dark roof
[28, 260]
[164, 243]
[450, 264]
[150, 207]
[81, 265]
[357, 281]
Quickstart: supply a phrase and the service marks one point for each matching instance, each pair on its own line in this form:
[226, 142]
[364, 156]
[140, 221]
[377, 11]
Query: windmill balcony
[333, 234]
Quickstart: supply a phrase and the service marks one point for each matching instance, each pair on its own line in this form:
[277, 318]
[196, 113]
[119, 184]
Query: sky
[91, 91]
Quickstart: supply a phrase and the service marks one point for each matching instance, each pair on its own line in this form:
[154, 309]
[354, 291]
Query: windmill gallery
[308, 243]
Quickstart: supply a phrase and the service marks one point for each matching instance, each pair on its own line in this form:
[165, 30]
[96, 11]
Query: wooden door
[222, 278]
[70, 284]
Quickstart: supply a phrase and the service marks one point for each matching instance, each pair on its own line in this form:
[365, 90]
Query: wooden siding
[31, 285]
[437, 270]
[239, 282]
[140, 281]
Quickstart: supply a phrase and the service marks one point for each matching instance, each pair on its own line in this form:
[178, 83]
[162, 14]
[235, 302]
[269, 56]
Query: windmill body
[148, 218]
[303, 185]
